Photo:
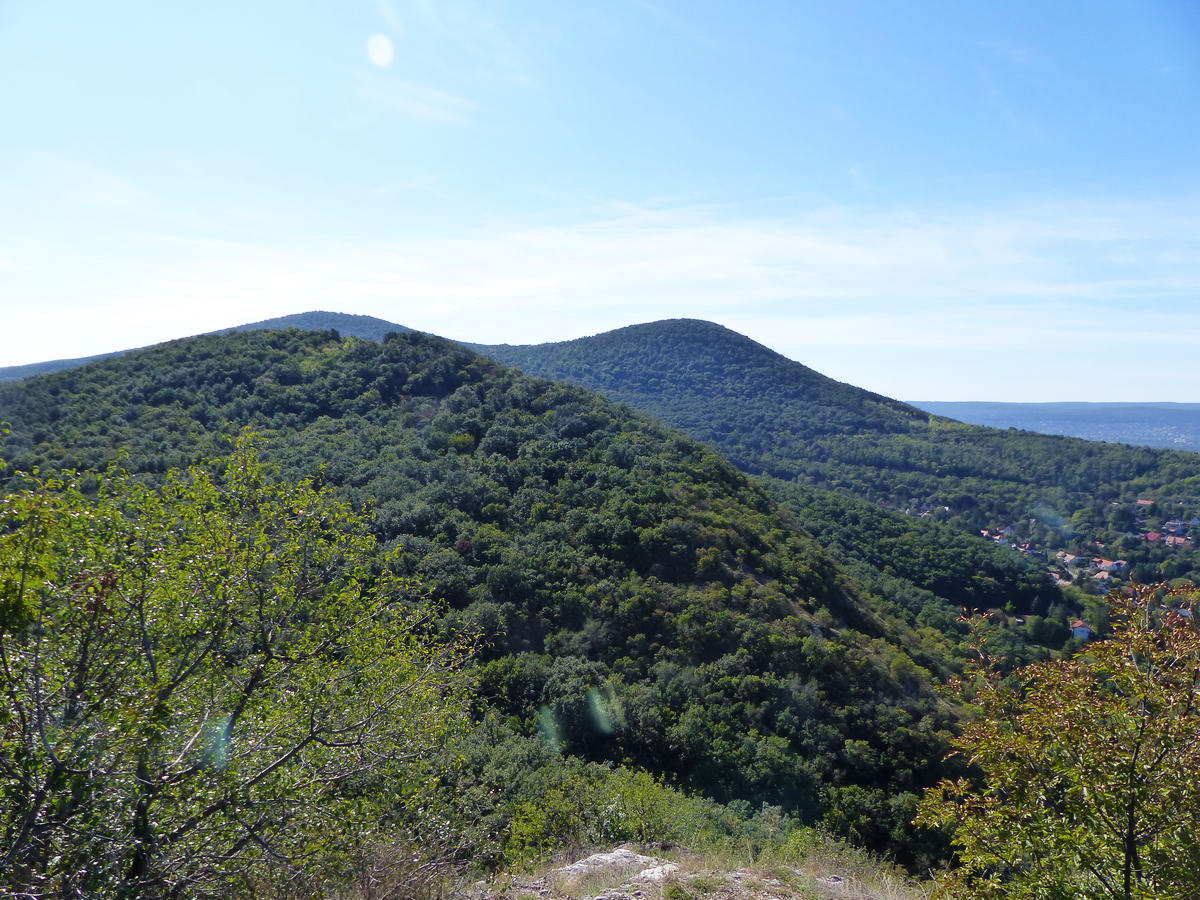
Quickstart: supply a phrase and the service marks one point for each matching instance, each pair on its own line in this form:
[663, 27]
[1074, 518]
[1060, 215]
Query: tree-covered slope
[800, 392]
[663, 367]
[641, 600]
[924, 552]
[367, 327]
[776, 417]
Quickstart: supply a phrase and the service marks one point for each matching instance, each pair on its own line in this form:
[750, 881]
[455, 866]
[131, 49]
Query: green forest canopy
[772, 416]
[641, 601]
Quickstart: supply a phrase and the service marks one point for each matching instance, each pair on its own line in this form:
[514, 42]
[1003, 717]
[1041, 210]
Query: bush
[203, 682]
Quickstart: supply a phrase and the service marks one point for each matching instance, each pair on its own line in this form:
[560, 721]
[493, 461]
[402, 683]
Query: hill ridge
[647, 364]
[351, 324]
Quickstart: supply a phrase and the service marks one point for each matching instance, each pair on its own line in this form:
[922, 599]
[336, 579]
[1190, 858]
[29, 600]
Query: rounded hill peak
[714, 383]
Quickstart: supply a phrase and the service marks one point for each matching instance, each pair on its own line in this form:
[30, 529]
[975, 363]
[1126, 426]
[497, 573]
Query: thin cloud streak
[420, 100]
[471, 39]
[1012, 51]
[1067, 278]
[90, 185]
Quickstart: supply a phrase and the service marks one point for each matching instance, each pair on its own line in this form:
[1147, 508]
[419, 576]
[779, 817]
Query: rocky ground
[671, 873]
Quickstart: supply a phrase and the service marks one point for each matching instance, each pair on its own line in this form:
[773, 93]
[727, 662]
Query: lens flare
[548, 727]
[380, 50]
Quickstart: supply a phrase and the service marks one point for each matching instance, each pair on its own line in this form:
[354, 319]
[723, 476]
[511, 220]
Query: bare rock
[618, 864]
[656, 873]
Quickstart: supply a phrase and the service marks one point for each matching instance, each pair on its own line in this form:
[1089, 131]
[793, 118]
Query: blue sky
[951, 200]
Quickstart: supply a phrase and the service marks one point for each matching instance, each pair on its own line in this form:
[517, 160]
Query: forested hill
[367, 327]
[663, 367]
[776, 417]
[640, 599]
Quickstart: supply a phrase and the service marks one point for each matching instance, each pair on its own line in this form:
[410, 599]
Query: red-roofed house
[1080, 629]
[1153, 537]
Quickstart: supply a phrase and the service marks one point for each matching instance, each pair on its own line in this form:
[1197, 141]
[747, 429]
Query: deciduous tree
[1089, 765]
[202, 680]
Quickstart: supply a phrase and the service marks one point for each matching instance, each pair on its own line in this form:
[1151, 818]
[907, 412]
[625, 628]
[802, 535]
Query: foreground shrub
[205, 685]
[1090, 767]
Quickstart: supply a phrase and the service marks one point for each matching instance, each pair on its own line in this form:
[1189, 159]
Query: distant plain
[1172, 426]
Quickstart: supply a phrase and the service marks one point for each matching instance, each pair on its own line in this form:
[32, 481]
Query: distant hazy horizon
[1171, 426]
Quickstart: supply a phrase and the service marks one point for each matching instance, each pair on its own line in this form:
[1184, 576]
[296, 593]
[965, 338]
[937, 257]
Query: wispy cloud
[1122, 261]
[840, 287]
[403, 187]
[90, 185]
[420, 100]
[682, 24]
[1014, 52]
[470, 38]
[446, 55]
[391, 17]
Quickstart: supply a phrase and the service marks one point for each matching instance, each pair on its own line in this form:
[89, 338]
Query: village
[1096, 573]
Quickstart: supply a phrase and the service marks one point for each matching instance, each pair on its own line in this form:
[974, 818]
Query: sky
[933, 200]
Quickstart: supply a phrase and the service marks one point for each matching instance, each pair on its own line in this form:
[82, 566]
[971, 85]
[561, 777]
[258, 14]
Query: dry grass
[825, 871]
[814, 868]
[832, 870]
